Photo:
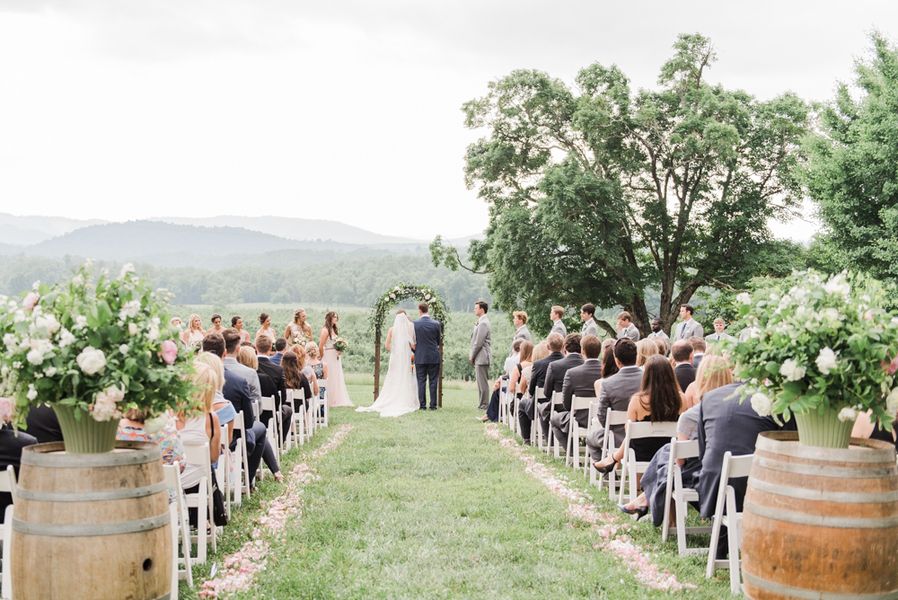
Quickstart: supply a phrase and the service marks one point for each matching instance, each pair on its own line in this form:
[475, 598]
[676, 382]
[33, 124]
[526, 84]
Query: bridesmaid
[298, 332]
[266, 329]
[337, 394]
[193, 336]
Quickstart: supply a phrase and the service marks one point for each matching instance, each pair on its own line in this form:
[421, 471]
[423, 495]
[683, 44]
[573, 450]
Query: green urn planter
[822, 428]
[82, 434]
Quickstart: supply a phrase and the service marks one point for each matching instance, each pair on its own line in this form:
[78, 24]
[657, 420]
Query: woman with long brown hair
[337, 394]
[293, 376]
[299, 331]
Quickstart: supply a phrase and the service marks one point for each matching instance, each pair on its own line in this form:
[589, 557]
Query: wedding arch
[396, 294]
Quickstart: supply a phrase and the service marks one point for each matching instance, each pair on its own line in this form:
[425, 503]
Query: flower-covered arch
[394, 295]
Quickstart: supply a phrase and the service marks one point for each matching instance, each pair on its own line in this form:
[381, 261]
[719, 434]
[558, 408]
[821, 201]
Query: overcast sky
[346, 110]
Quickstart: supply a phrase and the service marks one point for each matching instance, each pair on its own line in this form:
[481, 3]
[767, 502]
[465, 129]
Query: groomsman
[520, 326]
[587, 315]
[720, 333]
[657, 331]
[557, 324]
[480, 352]
[689, 327]
[625, 327]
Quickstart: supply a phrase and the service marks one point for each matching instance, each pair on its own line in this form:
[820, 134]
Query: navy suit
[427, 357]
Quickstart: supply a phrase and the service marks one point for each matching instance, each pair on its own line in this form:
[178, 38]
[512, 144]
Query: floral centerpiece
[820, 348]
[92, 348]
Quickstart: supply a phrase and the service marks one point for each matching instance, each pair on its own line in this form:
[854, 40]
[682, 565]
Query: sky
[347, 110]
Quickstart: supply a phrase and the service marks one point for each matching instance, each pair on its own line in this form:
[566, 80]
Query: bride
[400, 392]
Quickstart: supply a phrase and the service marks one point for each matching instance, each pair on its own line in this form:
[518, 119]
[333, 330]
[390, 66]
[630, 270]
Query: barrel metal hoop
[789, 516]
[139, 455]
[823, 470]
[822, 495]
[90, 530]
[87, 496]
[806, 594]
[861, 450]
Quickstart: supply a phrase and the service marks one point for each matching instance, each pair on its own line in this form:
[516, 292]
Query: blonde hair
[522, 315]
[312, 350]
[247, 356]
[212, 360]
[559, 311]
[301, 357]
[526, 351]
[191, 319]
[540, 351]
[204, 380]
[713, 372]
[645, 349]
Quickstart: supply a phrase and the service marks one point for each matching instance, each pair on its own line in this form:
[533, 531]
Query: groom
[427, 354]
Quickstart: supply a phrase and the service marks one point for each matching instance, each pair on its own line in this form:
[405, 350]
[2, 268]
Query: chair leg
[733, 532]
[712, 548]
[6, 584]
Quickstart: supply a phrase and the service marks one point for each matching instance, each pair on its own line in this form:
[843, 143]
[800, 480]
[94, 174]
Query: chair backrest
[557, 398]
[680, 449]
[198, 454]
[648, 429]
[615, 417]
[581, 402]
[8, 480]
[268, 403]
[322, 383]
[297, 394]
[540, 394]
[172, 477]
[239, 424]
[735, 467]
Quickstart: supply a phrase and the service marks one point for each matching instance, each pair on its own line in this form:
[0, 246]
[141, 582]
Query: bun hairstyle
[262, 318]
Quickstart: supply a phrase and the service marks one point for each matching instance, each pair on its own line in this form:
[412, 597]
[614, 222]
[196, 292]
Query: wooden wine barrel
[820, 522]
[91, 525]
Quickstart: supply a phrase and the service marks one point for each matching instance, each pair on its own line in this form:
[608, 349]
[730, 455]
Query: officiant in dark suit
[427, 355]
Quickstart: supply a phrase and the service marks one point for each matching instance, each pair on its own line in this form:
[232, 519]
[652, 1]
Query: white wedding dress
[399, 394]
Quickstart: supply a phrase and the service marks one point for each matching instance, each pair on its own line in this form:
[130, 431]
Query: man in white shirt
[689, 327]
[557, 324]
[720, 333]
[625, 327]
[587, 315]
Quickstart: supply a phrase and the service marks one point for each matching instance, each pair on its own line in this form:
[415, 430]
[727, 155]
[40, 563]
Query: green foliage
[597, 193]
[852, 171]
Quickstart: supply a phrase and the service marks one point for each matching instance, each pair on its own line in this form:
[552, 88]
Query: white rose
[129, 310]
[837, 285]
[791, 370]
[133, 329]
[826, 360]
[80, 322]
[66, 338]
[123, 349]
[9, 340]
[153, 333]
[848, 415]
[50, 371]
[35, 356]
[32, 393]
[743, 298]
[105, 404]
[91, 361]
[761, 404]
[19, 316]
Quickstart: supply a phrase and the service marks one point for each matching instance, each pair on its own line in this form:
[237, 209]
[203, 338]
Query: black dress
[646, 448]
[884, 436]
[11, 445]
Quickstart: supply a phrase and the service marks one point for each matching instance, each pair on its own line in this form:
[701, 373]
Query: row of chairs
[190, 546]
[623, 484]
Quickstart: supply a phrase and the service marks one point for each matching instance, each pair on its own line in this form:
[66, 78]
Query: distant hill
[28, 230]
[293, 228]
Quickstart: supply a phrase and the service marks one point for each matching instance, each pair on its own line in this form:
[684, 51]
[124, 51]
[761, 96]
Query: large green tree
[597, 192]
[852, 170]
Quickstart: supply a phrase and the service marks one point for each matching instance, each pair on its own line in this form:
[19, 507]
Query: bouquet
[818, 344]
[340, 345]
[97, 344]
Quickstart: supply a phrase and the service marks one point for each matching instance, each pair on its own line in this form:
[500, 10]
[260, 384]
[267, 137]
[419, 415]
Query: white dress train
[399, 394]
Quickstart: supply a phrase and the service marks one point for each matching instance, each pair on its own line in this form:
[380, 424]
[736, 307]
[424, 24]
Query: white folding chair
[274, 425]
[322, 412]
[630, 467]
[223, 472]
[242, 457]
[572, 452]
[536, 432]
[300, 417]
[726, 515]
[175, 570]
[557, 400]
[613, 418]
[7, 484]
[180, 524]
[201, 500]
[678, 495]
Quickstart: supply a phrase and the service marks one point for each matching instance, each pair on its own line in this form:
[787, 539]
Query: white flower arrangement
[819, 343]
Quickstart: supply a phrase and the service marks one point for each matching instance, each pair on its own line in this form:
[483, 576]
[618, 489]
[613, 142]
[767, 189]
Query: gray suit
[629, 332]
[554, 382]
[658, 334]
[688, 329]
[559, 327]
[578, 381]
[615, 395]
[590, 328]
[481, 356]
[523, 334]
[718, 337]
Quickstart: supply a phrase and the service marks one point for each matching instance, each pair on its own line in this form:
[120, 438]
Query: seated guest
[625, 327]
[239, 390]
[698, 350]
[511, 364]
[644, 349]
[278, 389]
[303, 358]
[526, 414]
[615, 394]
[867, 429]
[681, 356]
[663, 345]
[213, 349]
[280, 345]
[525, 352]
[11, 444]
[246, 356]
[42, 424]
[555, 373]
[714, 372]
[609, 365]
[163, 431]
[200, 428]
[317, 366]
[578, 381]
[237, 323]
[294, 379]
[540, 351]
[659, 400]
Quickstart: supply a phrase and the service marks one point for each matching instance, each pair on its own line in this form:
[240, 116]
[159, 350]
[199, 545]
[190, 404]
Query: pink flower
[169, 352]
[893, 367]
[30, 300]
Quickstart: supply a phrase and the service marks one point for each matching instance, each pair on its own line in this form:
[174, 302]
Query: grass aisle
[427, 506]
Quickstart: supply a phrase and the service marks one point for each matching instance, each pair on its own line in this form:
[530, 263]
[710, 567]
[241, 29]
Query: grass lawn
[427, 506]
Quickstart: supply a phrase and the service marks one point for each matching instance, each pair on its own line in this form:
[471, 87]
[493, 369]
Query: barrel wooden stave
[820, 521]
[56, 552]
